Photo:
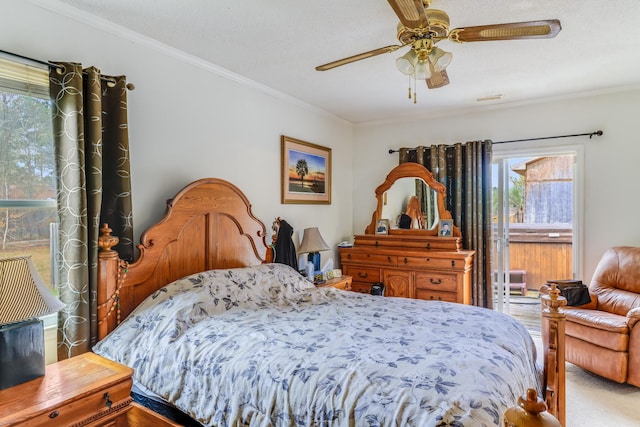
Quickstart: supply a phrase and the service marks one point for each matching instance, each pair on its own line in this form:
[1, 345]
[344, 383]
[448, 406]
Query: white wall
[188, 122]
[611, 189]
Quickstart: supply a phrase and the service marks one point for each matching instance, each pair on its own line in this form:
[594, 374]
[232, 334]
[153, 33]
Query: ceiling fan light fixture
[422, 70]
[440, 59]
[407, 62]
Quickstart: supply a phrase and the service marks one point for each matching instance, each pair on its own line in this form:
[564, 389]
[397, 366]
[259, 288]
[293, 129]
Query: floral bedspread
[261, 346]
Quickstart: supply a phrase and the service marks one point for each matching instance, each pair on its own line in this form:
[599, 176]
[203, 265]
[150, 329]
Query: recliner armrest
[633, 317]
[593, 305]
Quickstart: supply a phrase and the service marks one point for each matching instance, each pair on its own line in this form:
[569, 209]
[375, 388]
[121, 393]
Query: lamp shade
[312, 241]
[407, 62]
[440, 59]
[23, 295]
[422, 71]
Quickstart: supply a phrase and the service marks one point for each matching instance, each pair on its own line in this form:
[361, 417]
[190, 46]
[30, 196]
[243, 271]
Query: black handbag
[575, 292]
[377, 289]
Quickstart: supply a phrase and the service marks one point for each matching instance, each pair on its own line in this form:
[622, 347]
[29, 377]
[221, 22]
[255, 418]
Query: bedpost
[553, 341]
[108, 265]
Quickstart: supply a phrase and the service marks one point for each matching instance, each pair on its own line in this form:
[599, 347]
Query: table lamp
[23, 298]
[313, 243]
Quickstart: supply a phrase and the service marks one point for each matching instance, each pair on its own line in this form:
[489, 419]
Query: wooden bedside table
[86, 390]
[343, 283]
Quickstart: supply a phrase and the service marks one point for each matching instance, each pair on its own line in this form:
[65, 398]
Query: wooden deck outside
[544, 252]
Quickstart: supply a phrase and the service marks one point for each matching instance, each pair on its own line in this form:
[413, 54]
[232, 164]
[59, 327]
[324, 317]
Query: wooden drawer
[429, 262]
[436, 296]
[364, 258]
[436, 281]
[362, 274]
[96, 407]
[364, 288]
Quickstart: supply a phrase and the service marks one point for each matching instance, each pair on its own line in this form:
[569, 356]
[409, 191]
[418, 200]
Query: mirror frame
[411, 170]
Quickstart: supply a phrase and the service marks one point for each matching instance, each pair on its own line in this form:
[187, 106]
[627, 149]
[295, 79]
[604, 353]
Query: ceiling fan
[421, 28]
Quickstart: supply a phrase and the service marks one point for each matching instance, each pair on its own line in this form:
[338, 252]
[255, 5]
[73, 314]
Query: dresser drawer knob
[428, 245]
[54, 414]
[406, 260]
[360, 274]
[348, 256]
[435, 281]
[107, 400]
[453, 263]
[389, 259]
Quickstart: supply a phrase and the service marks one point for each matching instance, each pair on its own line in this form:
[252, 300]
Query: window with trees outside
[28, 216]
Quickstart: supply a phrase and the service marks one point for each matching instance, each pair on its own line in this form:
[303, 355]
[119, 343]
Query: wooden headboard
[207, 225]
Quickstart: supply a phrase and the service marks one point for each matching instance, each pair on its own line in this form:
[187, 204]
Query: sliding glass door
[536, 211]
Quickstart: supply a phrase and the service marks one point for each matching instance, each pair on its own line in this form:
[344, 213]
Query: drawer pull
[429, 245]
[54, 414]
[406, 260]
[453, 263]
[107, 400]
[348, 256]
[435, 281]
[431, 297]
[363, 275]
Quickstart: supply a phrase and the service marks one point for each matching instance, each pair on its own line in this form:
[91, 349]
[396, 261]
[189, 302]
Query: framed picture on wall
[305, 172]
[382, 226]
[445, 228]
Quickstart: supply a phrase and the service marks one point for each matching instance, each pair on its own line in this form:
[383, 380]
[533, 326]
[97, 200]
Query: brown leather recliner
[604, 336]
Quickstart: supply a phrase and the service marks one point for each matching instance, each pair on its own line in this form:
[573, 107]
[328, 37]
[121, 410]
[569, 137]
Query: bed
[215, 329]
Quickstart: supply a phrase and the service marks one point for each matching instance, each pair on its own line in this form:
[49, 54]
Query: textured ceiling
[278, 43]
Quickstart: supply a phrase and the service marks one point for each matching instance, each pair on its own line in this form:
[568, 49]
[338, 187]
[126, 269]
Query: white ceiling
[278, 43]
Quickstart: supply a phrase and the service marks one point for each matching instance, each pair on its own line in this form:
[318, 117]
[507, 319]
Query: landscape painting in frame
[306, 172]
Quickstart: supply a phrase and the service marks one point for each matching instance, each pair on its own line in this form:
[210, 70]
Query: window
[28, 218]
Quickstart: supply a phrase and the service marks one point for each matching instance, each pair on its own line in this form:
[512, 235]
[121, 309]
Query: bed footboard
[553, 341]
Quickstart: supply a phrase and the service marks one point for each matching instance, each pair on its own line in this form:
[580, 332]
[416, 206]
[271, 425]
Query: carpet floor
[593, 401]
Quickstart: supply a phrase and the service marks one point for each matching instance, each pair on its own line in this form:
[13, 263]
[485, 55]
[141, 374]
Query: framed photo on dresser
[382, 226]
[445, 228]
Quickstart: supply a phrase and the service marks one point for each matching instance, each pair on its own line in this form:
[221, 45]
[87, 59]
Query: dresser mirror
[412, 200]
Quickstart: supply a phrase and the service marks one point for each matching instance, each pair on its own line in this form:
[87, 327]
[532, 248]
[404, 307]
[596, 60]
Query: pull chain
[415, 97]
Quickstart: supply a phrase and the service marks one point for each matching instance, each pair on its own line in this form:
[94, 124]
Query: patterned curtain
[465, 170]
[92, 159]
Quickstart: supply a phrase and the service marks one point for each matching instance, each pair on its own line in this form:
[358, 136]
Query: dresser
[86, 390]
[410, 266]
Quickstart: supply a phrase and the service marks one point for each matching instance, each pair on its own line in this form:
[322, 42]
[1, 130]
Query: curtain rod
[589, 134]
[130, 86]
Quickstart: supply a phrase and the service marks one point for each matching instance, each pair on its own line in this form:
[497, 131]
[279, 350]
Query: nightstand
[86, 390]
[343, 283]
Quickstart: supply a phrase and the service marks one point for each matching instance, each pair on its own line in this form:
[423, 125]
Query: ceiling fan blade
[358, 57]
[516, 30]
[438, 79]
[410, 13]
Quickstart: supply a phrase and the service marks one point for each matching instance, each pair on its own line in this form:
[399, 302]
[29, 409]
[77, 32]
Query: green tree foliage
[27, 169]
[302, 169]
[516, 198]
